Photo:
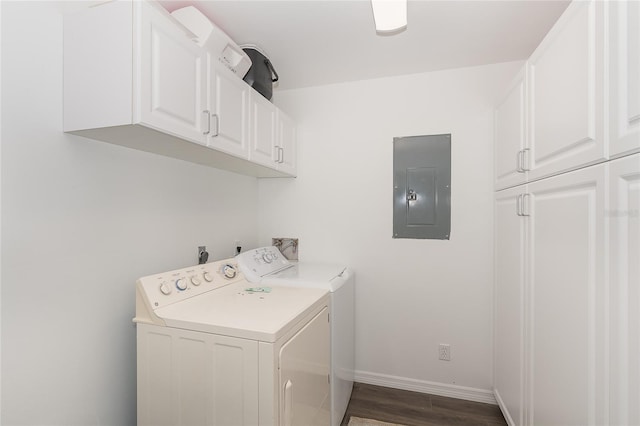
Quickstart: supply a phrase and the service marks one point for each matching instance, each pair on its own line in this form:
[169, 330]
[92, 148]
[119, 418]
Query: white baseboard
[503, 408]
[423, 386]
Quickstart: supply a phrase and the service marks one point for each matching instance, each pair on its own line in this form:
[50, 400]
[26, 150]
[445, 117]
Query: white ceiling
[313, 42]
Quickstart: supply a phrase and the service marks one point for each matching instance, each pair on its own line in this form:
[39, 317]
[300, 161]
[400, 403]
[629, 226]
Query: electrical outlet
[445, 352]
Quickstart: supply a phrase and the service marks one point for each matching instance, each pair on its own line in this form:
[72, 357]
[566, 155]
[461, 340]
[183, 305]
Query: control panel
[261, 262]
[173, 286]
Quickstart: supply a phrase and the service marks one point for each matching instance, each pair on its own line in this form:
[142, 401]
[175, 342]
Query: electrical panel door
[422, 187]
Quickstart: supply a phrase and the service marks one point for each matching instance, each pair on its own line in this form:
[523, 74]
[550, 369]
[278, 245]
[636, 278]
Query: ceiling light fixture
[390, 16]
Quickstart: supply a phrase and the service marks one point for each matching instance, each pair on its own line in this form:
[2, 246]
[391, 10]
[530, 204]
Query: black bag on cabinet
[261, 75]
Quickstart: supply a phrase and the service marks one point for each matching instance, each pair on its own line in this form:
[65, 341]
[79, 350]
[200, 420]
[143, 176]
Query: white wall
[81, 220]
[411, 294]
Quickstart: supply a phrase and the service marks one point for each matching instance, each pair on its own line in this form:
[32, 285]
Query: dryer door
[304, 375]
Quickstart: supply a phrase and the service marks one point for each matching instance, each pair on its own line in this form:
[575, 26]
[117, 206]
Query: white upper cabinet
[286, 144]
[134, 76]
[624, 77]
[263, 131]
[172, 93]
[510, 135]
[273, 136]
[566, 93]
[229, 109]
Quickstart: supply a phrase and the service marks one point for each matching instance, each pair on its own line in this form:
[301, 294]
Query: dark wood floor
[418, 409]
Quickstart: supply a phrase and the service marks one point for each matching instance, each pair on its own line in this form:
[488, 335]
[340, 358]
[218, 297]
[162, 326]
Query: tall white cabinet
[566, 299]
[624, 297]
[567, 225]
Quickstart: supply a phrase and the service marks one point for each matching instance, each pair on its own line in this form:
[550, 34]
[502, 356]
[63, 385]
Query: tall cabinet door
[510, 135]
[171, 77]
[567, 295]
[509, 337]
[229, 105]
[566, 91]
[624, 77]
[624, 219]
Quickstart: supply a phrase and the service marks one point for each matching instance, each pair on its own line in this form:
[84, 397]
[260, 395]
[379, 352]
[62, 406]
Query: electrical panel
[422, 187]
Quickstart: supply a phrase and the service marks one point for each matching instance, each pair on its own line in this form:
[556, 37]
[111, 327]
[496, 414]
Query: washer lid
[236, 311]
[311, 275]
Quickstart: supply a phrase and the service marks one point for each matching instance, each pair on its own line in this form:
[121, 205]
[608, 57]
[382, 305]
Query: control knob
[181, 284]
[195, 280]
[207, 276]
[165, 289]
[229, 271]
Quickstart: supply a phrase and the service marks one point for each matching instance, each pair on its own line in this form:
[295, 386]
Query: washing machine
[267, 266]
[214, 349]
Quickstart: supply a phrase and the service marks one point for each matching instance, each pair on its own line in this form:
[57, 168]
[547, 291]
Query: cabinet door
[263, 131]
[192, 378]
[566, 92]
[567, 294]
[171, 77]
[287, 144]
[624, 220]
[624, 78]
[510, 135]
[229, 104]
[509, 316]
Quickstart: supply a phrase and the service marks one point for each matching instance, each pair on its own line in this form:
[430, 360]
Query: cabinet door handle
[522, 205]
[525, 160]
[206, 111]
[519, 162]
[280, 154]
[217, 125]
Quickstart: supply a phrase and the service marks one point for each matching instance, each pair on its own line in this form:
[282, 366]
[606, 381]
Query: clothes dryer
[214, 349]
[268, 267]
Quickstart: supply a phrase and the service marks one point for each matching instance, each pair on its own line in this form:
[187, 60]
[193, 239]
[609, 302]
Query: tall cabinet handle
[522, 204]
[522, 161]
[525, 160]
[280, 154]
[519, 168]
